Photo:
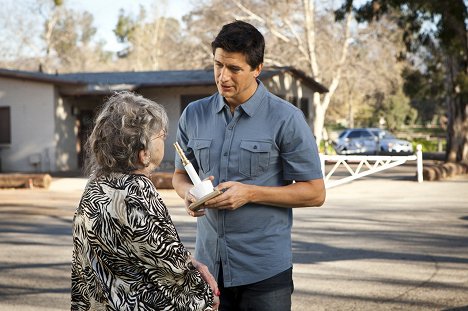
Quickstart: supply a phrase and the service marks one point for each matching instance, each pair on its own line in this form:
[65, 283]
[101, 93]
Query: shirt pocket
[254, 157]
[201, 150]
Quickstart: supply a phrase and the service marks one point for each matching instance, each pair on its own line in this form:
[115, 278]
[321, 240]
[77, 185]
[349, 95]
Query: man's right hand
[189, 199]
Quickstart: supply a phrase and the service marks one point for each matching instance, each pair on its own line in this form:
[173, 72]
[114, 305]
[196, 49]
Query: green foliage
[394, 109]
[128, 26]
[326, 148]
[429, 145]
[397, 111]
[426, 85]
[366, 117]
[67, 37]
[462, 82]
[434, 131]
[413, 15]
[72, 33]
[87, 31]
[125, 26]
[426, 90]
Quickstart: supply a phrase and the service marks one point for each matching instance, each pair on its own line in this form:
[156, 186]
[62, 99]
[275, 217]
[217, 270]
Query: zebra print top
[127, 254]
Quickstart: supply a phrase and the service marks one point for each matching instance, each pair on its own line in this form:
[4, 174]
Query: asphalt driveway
[381, 243]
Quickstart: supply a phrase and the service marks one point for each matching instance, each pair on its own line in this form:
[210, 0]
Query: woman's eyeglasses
[163, 135]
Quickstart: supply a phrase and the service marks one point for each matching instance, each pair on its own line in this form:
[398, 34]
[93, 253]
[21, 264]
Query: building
[45, 118]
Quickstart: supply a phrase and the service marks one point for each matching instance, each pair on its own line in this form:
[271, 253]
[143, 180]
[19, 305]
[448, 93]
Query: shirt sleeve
[299, 151]
[157, 245]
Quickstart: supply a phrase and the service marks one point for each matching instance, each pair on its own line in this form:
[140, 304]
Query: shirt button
[225, 154]
[255, 147]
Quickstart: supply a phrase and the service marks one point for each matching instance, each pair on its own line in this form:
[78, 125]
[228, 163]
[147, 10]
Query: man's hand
[190, 198]
[235, 195]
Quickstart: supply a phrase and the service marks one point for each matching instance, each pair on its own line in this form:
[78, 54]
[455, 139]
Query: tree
[22, 48]
[55, 39]
[71, 43]
[372, 67]
[394, 109]
[151, 41]
[435, 23]
[425, 87]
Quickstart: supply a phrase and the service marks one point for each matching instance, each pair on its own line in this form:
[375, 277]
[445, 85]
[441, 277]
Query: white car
[370, 141]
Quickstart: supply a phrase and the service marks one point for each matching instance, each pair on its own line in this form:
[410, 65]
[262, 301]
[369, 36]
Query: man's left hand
[235, 195]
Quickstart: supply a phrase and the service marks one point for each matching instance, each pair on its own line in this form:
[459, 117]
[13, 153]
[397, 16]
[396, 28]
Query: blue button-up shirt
[266, 142]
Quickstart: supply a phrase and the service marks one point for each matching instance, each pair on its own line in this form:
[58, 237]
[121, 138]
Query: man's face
[235, 80]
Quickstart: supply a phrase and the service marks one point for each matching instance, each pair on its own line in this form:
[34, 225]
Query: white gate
[366, 165]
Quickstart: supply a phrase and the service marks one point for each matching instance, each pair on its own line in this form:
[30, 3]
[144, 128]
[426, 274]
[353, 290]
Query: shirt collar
[251, 105]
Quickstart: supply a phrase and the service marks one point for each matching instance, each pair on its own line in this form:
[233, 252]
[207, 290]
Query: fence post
[419, 159]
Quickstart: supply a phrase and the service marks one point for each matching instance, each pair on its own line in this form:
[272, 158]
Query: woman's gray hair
[123, 127]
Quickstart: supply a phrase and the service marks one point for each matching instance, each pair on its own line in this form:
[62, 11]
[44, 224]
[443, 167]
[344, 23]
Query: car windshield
[383, 134]
[342, 134]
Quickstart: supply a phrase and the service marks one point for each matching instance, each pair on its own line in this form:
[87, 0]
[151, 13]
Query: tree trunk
[457, 111]
[456, 86]
[457, 135]
[321, 105]
[317, 121]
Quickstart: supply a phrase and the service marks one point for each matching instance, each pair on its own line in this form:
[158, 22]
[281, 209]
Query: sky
[106, 12]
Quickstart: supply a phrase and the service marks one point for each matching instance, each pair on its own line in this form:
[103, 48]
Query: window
[5, 126]
[305, 106]
[292, 100]
[301, 103]
[359, 134]
[366, 134]
[187, 99]
[355, 134]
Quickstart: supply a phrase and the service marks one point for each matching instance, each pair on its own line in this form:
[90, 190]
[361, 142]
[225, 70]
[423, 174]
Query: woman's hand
[215, 305]
[209, 279]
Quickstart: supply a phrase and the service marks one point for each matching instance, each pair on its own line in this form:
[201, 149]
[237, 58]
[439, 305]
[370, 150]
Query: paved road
[381, 243]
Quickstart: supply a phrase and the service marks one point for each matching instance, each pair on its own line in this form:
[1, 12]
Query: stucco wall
[32, 146]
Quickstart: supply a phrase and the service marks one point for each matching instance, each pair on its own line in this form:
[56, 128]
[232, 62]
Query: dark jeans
[273, 294]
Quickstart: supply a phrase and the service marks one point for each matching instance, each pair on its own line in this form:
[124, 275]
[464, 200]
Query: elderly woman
[127, 254]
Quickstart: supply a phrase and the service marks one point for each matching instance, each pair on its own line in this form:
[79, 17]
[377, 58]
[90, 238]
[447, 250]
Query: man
[260, 152]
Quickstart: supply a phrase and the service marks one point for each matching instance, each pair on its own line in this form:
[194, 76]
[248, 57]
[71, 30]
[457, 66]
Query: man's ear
[258, 70]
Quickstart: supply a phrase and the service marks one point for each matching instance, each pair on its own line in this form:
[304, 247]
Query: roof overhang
[105, 83]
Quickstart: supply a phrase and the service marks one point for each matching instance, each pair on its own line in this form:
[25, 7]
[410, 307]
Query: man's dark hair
[241, 37]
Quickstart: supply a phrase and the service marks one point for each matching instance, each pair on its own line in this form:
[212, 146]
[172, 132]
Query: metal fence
[366, 165]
